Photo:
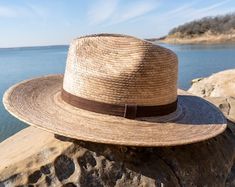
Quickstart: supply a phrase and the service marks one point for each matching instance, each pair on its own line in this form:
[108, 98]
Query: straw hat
[116, 89]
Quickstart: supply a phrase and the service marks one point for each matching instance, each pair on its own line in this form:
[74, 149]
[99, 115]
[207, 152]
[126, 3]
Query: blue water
[17, 64]
[202, 60]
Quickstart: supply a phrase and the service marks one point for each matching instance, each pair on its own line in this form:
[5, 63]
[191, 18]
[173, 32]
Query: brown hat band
[126, 110]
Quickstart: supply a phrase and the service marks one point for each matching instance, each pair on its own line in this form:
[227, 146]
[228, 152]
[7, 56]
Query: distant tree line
[216, 25]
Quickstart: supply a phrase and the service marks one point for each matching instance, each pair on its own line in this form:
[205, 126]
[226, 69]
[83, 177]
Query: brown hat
[116, 89]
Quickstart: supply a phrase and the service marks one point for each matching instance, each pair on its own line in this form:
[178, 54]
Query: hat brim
[37, 102]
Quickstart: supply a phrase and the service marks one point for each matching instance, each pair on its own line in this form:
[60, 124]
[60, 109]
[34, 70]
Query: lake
[17, 64]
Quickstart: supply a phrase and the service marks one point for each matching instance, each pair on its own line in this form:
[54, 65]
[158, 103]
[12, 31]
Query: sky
[57, 22]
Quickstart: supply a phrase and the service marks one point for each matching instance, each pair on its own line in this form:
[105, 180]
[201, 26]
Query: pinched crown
[120, 69]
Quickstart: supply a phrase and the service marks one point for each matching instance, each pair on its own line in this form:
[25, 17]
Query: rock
[226, 105]
[60, 161]
[196, 80]
[221, 84]
[29, 151]
[219, 89]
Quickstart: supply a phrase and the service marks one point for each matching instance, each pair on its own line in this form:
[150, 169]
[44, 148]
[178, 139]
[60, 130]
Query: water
[17, 64]
[202, 60]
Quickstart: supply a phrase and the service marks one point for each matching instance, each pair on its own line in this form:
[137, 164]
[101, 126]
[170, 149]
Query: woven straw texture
[116, 69]
[121, 69]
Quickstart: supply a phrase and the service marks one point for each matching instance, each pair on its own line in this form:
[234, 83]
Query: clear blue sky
[48, 22]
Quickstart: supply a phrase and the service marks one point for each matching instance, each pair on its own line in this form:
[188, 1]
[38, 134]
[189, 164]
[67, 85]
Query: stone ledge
[28, 149]
[221, 84]
[35, 157]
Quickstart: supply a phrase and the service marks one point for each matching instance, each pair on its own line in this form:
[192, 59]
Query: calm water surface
[17, 64]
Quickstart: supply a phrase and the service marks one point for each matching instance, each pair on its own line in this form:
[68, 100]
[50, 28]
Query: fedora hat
[116, 89]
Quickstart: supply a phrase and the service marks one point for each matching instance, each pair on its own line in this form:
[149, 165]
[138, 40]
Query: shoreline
[204, 39]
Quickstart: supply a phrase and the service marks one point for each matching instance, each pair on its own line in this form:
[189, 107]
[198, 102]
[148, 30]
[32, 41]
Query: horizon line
[56, 45]
[35, 46]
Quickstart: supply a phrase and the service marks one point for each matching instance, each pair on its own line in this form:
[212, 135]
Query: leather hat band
[130, 111]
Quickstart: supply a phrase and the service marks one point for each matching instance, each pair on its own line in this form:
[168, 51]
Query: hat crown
[120, 69]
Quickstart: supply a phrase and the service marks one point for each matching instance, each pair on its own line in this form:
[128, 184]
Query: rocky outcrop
[37, 158]
[34, 157]
[26, 157]
[220, 84]
[219, 89]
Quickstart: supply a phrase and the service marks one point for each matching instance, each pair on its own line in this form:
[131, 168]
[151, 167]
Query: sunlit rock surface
[219, 89]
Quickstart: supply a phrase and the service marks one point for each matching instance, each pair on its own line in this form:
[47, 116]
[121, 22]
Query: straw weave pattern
[120, 69]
